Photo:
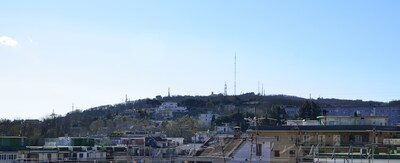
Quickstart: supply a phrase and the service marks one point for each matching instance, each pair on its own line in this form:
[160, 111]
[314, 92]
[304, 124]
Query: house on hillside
[167, 109]
[224, 129]
[205, 119]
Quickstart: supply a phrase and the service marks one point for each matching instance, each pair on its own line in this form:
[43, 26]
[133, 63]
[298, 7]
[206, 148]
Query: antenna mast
[262, 89]
[225, 90]
[234, 90]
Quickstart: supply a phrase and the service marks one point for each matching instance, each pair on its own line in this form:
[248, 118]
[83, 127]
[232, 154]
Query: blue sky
[54, 54]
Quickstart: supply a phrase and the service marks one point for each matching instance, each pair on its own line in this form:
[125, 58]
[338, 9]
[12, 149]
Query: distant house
[201, 136]
[142, 147]
[166, 110]
[205, 119]
[291, 111]
[175, 141]
[225, 129]
[229, 107]
[172, 106]
[351, 120]
[60, 141]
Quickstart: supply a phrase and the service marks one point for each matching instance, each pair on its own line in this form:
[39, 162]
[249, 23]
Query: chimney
[237, 133]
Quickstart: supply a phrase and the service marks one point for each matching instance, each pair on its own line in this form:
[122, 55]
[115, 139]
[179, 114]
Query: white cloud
[8, 41]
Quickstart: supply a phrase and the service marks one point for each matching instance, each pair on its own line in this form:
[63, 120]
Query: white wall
[243, 152]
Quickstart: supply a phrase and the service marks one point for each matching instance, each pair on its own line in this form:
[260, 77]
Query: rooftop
[330, 128]
[219, 147]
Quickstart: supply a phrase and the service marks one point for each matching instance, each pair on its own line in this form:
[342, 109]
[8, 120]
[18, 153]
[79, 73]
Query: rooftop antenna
[169, 93]
[258, 87]
[264, 92]
[126, 98]
[225, 90]
[53, 115]
[234, 90]
[262, 89]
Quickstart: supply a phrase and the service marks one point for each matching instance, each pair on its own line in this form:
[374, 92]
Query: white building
[205, 119]
[8, 156]
[166, 110]
[226, 129]
[351, 120]
[175, 141]
[60, 141]
[302, 122]
[261, 151]
[172, 106]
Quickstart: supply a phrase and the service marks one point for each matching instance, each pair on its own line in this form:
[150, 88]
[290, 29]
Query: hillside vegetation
[134, 115]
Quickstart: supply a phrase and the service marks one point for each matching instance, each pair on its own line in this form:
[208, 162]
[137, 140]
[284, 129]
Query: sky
[59, 54]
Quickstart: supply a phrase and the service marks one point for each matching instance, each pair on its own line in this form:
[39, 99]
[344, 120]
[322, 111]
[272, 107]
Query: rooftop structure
[391, 113]
[294, 143]
[172, 106]
[205, 119]
[354, 120]
[232, 149]
[12, 143]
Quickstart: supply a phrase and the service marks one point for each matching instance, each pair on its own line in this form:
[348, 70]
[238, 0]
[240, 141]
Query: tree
[309, 110]
[142, 114]
[276, 115]
[235, 119]
[184, 127]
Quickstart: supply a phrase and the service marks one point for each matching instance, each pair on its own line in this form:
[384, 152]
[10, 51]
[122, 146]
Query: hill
[135, 115]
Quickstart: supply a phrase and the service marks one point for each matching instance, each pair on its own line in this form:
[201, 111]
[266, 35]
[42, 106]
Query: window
[277, 138]
[364, 150]
[292, 153]
[277, 153]
[358, 139]
[306, 139]
[321, 140]
[258, 149]
[291, 138]
[336, 140]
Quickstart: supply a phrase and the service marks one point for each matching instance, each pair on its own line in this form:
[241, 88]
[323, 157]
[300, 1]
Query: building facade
[391, 113]
[294, 143]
